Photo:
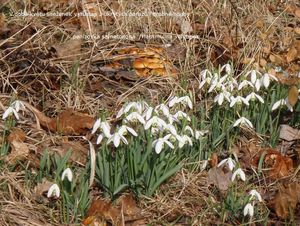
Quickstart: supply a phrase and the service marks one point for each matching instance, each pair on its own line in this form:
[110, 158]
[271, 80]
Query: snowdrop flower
[105, 127]
[199, 134]
[180, 115]
[254, 193]
[160, 142]
[119, 135]
[171, 129]
[67, 173]
[162, 108]
[96, 125]
[18, 105]
[185, 139]
[9, 111]
[134, 117]
[53, 191]
[221, 96]
[185, 100]
[282, 102]
[217, 83]
[238, 100]
[148, 113]
[232, 84]
[257, 84]
[188, 128]
[265, 80]
[253, 75]
[230, 162]
[227, 68]
[249, 210]
[244, 83]
[156, 122]
[243, 121]
[204, 78]
[239, 172]
[138, 106]
[253, 96]
[14, 108]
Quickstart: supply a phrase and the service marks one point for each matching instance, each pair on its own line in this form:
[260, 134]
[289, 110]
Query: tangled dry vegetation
[69, 69]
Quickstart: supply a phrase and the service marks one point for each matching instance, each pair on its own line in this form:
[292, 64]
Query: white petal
[231, 163]
[116, 140]
[257, 84]
[131, 131]
[99, 139]
[106, 129]
[249, 210]
[53, 191]
[67, 173]
[8, 111]
[239, 172]
[222, 162]
[173, 101]
[96, 125]
[248, 122]
[149, 113]
[254, 193]
[120, 113]
[159, 145]
[266, 80]
[253, 76]
[277, 104]
[16, 114]
[169, 144]
[237, 122]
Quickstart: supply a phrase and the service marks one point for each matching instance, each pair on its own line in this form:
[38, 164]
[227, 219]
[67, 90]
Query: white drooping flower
[103, 125]
[67, 173]
[239, 172]
[222, 96]
[162, 108]
[139, 106]
[244, 83]
[227, 68]
[217, 83]
[119, 135]
[53, 191]
[160, 142]
[14, 108]
[156, 122]
[188, 128]
[199, 134]
[265, 79]
[282, 102]
[249, 210]
[148, 113]
[181, 115]
[206, 77]
[230, 163]
[185, 100]
[238, 100]
[253, 96]
[135, 117]
[255, 194]
[243, 121]
[185, 139]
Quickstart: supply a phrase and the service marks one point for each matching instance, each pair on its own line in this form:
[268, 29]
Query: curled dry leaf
[103, 211]
[19, 150]
[220, 177]
[288, 133]
[286, 200]
[41, 189]
[68, 122]
[293, 95]
[276, 165]
[213, 160]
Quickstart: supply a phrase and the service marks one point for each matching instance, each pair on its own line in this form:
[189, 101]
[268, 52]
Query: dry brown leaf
[288, 133]
[286, 200]
[291, 55]
[105, 211]
[219, 177]
[278, 165]
[297, 30]
[16, 134]
[293, 95]
[128, 204]
[297, 13]
[277, 59]
[19, 152]
[41, 189]
[213, 160]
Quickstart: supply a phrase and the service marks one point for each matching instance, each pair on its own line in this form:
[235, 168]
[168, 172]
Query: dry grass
[31, 70]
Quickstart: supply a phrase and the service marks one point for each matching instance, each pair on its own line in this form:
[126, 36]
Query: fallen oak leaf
[288, 133]
[19, 150]
[286, 200]
[219, 177]
[68, 122]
